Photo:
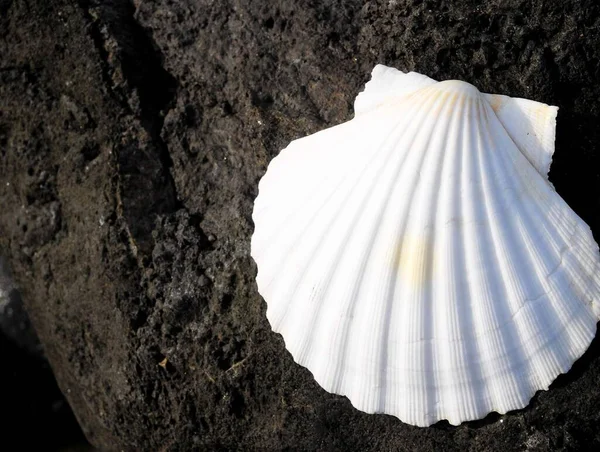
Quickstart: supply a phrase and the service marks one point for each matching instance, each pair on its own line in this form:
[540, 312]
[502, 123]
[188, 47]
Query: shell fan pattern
[417, 260]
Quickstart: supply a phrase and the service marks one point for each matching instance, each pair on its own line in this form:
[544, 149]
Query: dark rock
[132, 139]
[14, 321]
[35, 413]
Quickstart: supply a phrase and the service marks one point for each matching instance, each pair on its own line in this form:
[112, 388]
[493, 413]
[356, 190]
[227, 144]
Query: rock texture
[132, 138]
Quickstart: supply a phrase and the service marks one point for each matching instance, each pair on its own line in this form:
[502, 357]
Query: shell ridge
[562, 221]
[400, 251]
[297, 147]
[421, 157]
[434, 402]
[293, 214]
[473, 310]
[493, 282]
[501, 161]
[543, 361]
[328, 230]
[560, 310]
[341, 363]
[464, 402]
[467, 401]
[309, 336]
[429, 403]
[589, 255]
[581, 317]
[391, 298]
[280, 267]
[580, 239]
[315, 216]
[416, 395]
[531, 126]
[432, 155]
[526, 173]
[517, 228]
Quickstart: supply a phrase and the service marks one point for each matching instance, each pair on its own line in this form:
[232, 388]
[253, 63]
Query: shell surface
[417, 259]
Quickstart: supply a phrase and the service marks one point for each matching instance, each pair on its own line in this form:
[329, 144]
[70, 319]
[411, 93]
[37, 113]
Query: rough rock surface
[132, 138]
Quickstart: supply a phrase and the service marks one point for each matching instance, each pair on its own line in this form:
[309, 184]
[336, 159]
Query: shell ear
[531, 125]
[387, 83]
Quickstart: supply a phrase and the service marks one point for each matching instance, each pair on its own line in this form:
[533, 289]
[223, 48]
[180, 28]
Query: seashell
[417, 260]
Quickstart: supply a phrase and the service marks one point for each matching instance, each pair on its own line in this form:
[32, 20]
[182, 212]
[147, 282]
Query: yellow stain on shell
[497, 101]
[445, 103]
[541, 115]
[416, 263]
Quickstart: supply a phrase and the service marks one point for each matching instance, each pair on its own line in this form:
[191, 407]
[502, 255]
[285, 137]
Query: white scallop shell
[417, 260]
